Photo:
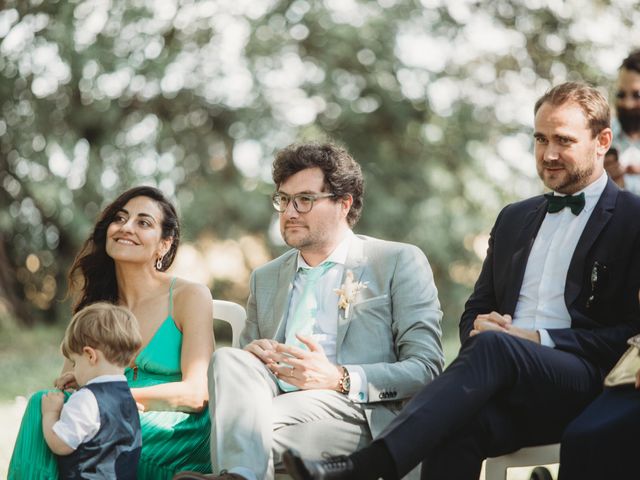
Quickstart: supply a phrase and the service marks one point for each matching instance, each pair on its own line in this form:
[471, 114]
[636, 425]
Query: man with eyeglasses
[341, 329]
[623, 160]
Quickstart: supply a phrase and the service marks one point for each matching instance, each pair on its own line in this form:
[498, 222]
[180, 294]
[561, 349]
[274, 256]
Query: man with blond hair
[549, 316]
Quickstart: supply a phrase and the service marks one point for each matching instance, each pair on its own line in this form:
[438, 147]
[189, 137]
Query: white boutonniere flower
[348, 292]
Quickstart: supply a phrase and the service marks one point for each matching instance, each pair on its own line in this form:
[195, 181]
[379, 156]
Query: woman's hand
[66, 381]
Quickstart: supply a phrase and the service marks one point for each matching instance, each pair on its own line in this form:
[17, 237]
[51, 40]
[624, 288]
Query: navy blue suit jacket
[605, 312]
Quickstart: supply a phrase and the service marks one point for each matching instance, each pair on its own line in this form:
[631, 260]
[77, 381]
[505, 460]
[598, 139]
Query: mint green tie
[304, 318]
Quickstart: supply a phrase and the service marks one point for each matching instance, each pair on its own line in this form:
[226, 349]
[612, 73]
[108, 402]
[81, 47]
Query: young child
[96, 433]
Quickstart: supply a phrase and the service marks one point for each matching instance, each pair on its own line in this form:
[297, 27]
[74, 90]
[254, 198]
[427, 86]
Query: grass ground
[30, 358]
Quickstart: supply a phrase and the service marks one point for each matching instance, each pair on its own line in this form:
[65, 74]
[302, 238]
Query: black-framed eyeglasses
[634, 94]
[302, 202]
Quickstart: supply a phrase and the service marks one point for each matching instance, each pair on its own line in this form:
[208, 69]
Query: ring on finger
[291, 371]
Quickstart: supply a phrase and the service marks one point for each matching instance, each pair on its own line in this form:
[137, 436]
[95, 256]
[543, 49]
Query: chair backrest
[496, 467]
[233, 314]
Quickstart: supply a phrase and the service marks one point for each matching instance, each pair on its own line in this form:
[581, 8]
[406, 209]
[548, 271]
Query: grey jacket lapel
[282, 298]
[356, 263]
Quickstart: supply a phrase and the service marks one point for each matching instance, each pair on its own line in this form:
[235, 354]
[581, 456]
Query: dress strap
[173, 281]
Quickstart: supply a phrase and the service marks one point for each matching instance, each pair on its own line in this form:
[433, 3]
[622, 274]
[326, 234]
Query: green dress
[171, 441]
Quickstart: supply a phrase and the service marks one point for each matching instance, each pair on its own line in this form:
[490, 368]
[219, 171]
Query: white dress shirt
[325, 330]
[541, 303]
[80, 416]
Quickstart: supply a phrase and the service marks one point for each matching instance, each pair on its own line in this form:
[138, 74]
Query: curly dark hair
[632, 62]
[342, 174]
[93, 274]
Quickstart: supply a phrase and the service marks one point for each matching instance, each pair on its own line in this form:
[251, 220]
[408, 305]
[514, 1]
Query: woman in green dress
[124, 261]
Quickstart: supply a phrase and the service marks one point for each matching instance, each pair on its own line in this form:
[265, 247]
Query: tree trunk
[10, 292]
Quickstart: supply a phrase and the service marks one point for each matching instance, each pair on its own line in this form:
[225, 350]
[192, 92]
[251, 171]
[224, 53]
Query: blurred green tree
[433, 97]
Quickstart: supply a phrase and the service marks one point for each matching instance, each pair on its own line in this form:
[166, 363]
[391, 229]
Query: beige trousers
[253, 422]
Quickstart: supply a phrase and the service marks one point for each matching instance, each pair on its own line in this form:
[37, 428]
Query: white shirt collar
[339, 254]
[107, 378]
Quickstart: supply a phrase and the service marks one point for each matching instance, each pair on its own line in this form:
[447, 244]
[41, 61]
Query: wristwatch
[345, 382]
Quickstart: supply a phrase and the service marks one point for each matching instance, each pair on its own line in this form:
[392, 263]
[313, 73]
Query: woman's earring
[159, 263]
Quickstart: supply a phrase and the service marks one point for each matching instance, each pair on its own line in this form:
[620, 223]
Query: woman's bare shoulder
[190, 298]
[191, 291]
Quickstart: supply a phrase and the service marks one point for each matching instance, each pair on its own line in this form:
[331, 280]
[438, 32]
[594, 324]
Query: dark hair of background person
[632, 62]
[591, 101]
[92, 273]
[342, 174]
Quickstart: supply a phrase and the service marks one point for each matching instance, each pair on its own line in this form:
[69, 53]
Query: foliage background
[433, 97]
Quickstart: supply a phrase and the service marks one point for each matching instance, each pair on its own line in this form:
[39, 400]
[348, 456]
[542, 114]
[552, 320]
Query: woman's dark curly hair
[342, 174]
[93, 274]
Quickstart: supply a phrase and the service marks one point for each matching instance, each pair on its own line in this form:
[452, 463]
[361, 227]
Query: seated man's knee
[234, 361]
[227, 356]
[492, 341]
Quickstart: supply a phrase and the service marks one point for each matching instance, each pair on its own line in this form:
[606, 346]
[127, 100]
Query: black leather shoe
[331, 468]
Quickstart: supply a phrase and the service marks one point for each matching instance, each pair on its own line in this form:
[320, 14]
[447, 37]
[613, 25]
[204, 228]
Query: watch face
[346, 384]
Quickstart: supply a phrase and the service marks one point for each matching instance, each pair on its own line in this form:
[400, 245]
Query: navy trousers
[501, 393]
[603, 442]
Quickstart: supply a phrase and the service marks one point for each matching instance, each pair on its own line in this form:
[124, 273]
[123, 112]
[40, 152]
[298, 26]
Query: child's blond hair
[106, 327]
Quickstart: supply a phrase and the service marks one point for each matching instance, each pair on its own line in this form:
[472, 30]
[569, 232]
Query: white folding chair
[233, 314]
[236, 316]
[496, 467]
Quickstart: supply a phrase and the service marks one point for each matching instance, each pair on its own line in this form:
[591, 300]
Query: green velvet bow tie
[555, 203]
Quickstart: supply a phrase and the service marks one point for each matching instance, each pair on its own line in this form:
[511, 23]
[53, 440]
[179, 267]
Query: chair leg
[495, 469]
[540, 473]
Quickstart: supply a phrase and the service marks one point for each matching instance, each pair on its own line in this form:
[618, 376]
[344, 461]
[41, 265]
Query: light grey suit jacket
[393, 328]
